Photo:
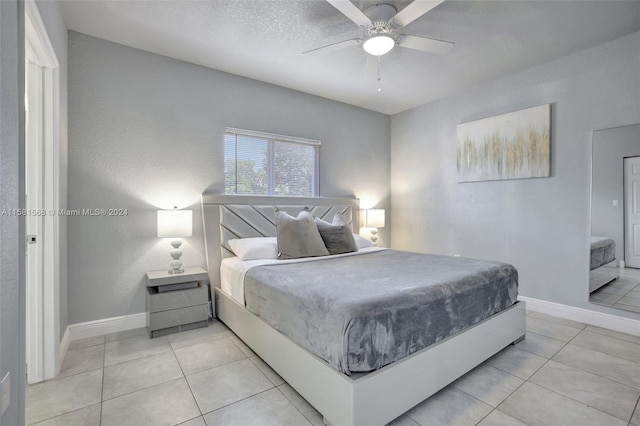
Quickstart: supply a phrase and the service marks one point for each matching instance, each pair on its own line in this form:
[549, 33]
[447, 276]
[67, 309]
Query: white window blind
[267, 164]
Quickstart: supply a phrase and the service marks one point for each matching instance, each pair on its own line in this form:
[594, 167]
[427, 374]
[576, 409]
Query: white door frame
[43, 290]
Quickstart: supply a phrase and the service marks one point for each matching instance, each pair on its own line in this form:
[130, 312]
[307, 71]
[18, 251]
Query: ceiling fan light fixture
[378, 45]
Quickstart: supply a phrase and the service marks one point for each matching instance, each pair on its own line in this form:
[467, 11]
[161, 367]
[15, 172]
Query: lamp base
[176, 253]
[374, 237]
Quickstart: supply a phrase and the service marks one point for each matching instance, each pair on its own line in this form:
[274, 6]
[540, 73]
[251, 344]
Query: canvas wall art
[515, 145]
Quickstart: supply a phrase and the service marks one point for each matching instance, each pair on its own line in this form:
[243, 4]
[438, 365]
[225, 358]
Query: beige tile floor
[563, 373]
[622, 293]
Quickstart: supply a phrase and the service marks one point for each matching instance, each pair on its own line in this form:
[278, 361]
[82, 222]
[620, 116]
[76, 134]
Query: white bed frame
[374, 398]
[603, 275]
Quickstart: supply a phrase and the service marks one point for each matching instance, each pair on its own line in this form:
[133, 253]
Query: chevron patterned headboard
[236, 216]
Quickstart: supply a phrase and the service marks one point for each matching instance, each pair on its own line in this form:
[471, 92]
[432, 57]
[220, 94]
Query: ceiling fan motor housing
[380, 13]
[379, 27]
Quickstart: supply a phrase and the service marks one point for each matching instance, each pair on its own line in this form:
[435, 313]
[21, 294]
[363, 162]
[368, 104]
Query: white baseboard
[107, 325]
[586, 316]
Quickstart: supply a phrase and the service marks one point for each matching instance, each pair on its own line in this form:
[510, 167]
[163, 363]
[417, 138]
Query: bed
[374, 389]
[603, 268]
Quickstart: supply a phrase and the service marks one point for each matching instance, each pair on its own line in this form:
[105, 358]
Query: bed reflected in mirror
[614, 277]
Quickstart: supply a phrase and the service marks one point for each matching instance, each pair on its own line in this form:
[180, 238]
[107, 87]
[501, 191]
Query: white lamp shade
[374, 218]
[175, 223]
[378, 45]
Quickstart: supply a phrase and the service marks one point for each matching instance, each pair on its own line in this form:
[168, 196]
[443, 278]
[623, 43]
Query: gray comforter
[360, 313]
[603, 251]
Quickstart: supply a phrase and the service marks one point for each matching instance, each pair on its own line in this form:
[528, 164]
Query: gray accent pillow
[298, 237]
[337, 236]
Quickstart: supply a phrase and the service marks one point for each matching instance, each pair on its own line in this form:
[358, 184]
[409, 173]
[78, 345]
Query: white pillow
[255, 248]
[362, 242]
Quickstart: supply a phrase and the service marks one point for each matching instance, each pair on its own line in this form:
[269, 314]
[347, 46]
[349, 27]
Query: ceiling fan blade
[350, 10]
[335, 46]
[429, 45]
[413, 11]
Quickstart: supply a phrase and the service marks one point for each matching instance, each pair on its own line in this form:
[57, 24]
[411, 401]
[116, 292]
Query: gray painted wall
[11, 189]
[57, 32]
[146, 132]
[610, 146]
[540, 225]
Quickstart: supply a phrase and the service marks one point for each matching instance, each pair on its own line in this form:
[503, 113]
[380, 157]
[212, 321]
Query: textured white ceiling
[263, 40]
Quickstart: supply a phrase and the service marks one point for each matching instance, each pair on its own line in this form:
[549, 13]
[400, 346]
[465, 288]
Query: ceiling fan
[381, 24]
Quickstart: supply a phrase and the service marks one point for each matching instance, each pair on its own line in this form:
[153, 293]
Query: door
[33, 224]
[632, 212]
[42, 201]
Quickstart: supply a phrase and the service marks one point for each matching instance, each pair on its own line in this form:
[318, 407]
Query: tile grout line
[578, 401]
[579, 369]
[633, 411]
[479, 400]
[147, 387]
[269, 380]
[507, 397]
[596, 330]
[539, 368]
[485, 403]
[57, 415]
[599, 375]
[541, 356]
[527, 380]
[240, 400]
[522, 384]
[554, 319]
[265, 376]
[136, 358]
[294, 405]
[611, 337]
[103, 376]
[73, 375]
[144, 388]
[184, 376]
[104, 357]
[263, 373]
[221, 365]
[611, 305]
[626, 307]
[489, 413]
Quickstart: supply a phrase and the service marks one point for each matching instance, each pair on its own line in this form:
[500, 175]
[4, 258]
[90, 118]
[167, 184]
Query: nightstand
[177, 302]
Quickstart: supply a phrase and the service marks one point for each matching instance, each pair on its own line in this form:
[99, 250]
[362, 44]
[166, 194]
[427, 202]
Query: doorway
[42, 224]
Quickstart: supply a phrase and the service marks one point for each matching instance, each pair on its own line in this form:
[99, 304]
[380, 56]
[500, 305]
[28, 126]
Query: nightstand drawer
[175, 317]
[176, 299]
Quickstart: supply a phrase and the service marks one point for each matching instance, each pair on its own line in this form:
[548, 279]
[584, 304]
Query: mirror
[614, 278]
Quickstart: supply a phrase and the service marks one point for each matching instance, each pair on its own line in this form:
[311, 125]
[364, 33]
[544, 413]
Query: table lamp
[175, 224]
[374, 219]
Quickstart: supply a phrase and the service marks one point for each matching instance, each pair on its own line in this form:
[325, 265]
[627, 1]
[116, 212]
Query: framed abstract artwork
[515, 145]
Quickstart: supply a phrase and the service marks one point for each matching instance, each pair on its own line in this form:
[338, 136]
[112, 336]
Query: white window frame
[272, 138]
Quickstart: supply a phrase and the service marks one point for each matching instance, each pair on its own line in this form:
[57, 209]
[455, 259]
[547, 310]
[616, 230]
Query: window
[265, 164]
